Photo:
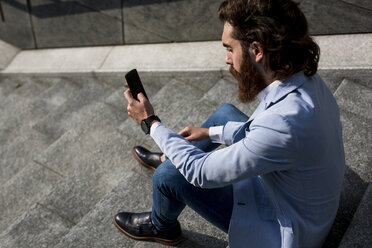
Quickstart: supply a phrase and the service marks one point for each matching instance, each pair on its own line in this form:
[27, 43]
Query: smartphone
[135, 84]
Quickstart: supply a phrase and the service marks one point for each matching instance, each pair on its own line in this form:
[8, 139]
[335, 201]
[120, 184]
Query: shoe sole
[141, 162]
[158, 240]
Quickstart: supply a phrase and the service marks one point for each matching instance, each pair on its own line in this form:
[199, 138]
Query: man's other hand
[195, 133]
[138, 110]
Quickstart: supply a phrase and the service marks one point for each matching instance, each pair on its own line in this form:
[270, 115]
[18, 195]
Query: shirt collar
[261, 96]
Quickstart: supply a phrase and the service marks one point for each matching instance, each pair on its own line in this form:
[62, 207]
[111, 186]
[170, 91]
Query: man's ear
[256, 50]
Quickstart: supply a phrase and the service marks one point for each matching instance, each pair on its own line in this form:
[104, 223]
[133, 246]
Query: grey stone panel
[24, 189]
[359, 172]
[99, 170]
[66, 23]
[107, 7]
[95, 122]
[37, 227]
[353, 189]
[359, 234]
[133, 193]
[16, 90]
[203, 82]
[333, 78]
[7, 86]
[61, 92]
[164, 21]
[66, 116]
[227, 92]
[197, 232]
[355, 98]
[336, 17]
[366, 4]
[17, 28]
[8, 52]
[357, 139]
[20, 151]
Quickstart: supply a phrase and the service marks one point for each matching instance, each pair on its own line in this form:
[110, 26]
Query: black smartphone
[135, 84]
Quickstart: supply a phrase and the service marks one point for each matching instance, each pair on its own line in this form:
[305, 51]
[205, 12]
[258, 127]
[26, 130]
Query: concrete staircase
[66, 167]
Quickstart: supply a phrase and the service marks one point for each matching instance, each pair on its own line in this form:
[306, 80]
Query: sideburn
[250, 81]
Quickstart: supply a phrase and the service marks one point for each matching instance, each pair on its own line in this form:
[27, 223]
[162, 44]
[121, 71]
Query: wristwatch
[145, 124]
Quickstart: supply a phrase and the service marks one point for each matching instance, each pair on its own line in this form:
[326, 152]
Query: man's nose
[228, 60]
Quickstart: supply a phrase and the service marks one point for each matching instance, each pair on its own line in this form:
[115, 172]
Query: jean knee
[165, 173]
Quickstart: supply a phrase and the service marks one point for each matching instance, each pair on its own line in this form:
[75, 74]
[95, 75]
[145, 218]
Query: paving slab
[16, 28]
[58, 60]
[99, 171]
[204, 81]
[62, 91]
[37, 227]
[355, 98]
[23, 190]
[17, 154]
[68, 115]
[8, 52]
[359, 233]
[108, 7]
[22, 90]
[68, 24]
[227, 92]
[193, 56]
[337, 17]
[357, 142]
[186, 56]
[133, 193]
[332, 58]
[76, 145]
[353, 189]
[359, 76]
[143, 25]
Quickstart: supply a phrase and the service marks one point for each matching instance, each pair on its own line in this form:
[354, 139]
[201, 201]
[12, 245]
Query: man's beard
[250, 81]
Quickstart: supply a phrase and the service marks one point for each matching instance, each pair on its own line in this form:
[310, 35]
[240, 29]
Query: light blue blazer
[286, 164]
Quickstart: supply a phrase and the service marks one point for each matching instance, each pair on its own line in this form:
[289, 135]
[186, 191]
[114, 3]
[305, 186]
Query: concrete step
[20, 152]
[23, 190]
[34, 228]
[65, 117]
[354, 101]
[19, 142]
[359, 233]
[197, 232]
[226, 91]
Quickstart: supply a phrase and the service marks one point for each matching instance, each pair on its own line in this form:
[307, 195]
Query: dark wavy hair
[282, 30]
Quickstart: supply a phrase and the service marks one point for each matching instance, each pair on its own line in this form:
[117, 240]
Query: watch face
[144, 127]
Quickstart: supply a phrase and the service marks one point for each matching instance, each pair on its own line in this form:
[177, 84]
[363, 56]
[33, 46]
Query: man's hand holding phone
[138, 110]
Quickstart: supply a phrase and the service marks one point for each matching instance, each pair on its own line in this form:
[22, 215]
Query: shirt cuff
[215, 134]
[153, 127]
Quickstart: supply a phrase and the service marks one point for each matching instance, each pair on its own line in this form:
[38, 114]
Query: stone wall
[31, 24]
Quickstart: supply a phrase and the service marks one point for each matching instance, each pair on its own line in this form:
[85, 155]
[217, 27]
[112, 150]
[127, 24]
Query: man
[277, 183]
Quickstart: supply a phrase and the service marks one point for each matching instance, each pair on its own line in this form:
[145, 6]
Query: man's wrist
[153, 122]
[148, 122]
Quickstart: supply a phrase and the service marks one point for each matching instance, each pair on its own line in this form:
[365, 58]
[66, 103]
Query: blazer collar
[283, 89]
[287, 86]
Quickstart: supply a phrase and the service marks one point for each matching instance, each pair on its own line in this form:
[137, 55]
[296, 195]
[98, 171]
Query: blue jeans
[171, 191]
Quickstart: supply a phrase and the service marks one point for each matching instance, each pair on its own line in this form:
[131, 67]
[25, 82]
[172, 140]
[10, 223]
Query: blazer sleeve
[267, 147]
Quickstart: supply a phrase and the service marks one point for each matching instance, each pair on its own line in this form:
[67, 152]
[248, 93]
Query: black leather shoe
[139, 226]
[150, 160]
